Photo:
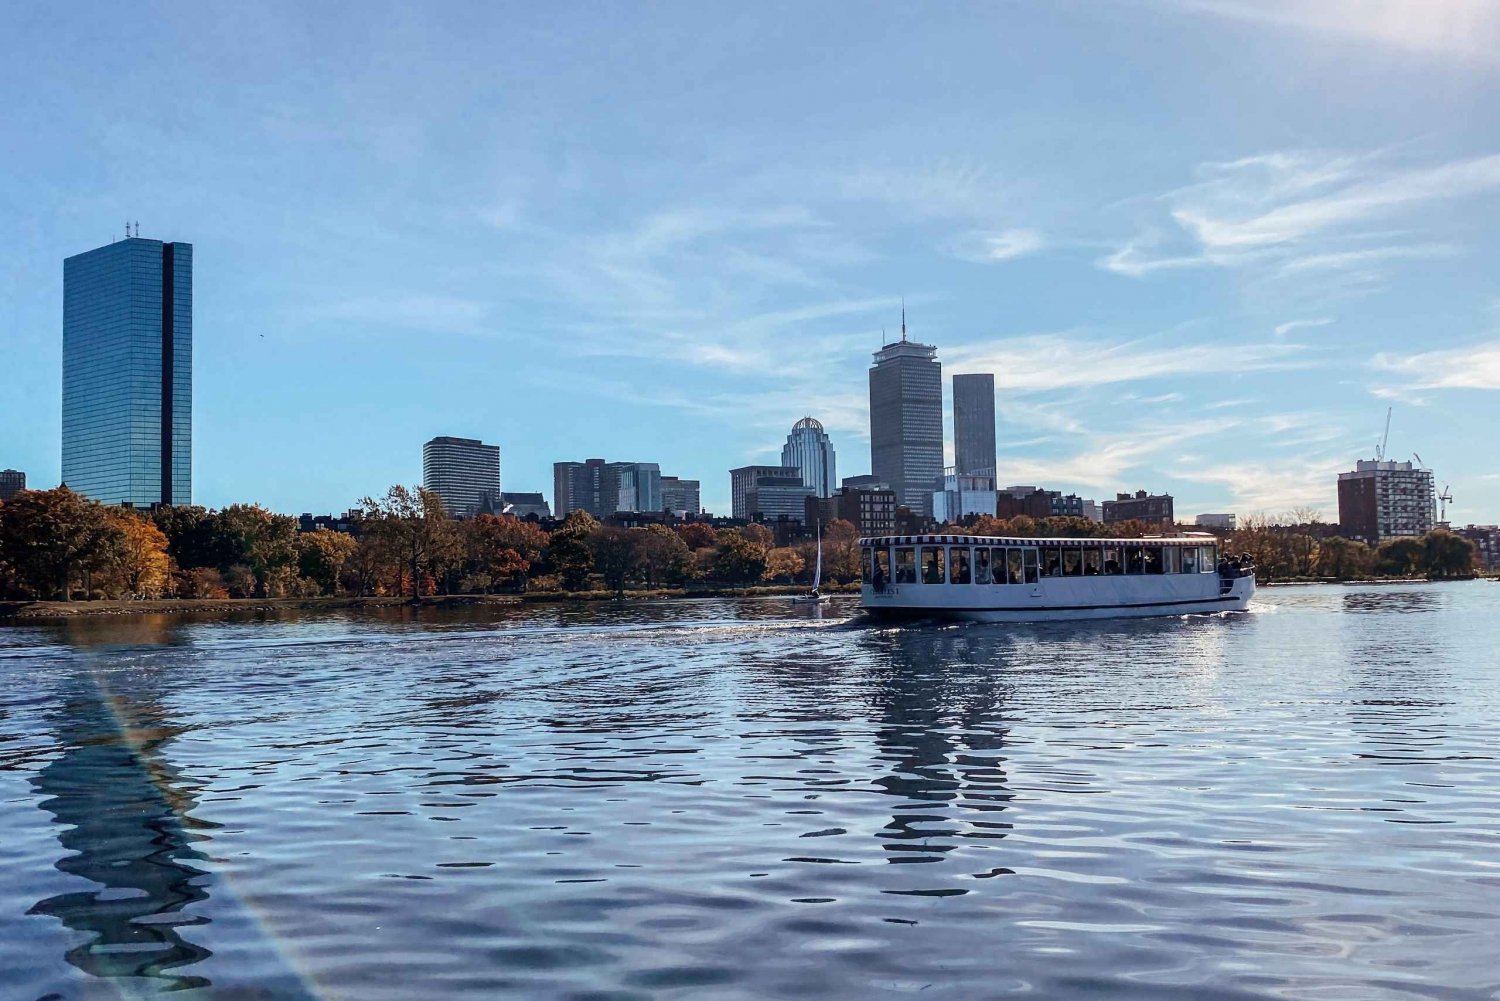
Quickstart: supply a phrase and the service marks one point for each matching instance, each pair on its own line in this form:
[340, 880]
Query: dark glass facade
[128, 373]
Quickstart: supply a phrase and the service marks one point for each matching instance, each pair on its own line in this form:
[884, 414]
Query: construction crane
[1444, 499]
[1380, 449]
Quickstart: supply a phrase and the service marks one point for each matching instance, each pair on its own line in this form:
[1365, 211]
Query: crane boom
[1380, 452]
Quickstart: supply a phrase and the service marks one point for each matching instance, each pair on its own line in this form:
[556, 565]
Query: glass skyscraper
[809, 450]
[906, 422]
[127, 430]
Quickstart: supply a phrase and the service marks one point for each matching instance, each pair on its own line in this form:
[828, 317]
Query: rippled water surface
[733, 799]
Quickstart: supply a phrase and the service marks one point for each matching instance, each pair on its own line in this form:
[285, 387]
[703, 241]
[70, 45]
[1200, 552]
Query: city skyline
[1222, 312]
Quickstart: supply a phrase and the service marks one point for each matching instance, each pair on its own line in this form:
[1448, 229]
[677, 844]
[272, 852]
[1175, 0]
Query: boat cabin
[975, 560]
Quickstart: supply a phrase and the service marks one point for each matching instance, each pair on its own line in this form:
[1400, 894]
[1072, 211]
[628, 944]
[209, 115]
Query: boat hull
[1058, 603]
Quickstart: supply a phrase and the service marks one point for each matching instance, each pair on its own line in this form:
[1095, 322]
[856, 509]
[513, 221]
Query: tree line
[58, 545]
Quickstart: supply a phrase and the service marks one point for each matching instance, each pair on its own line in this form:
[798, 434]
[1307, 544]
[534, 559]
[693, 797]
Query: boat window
[1014, 572]
[1153, 559]
[1112, 564]
[997, 565]
[1207, 561]
[958, 565]
[1092, 561]
[1172, 559]
[932, 565]
[1190, 559]
[1051, 562]
[1072, 562]
[1031, 567]
[906, 565]
[1135, 560]
[880, 567]
[982, 565]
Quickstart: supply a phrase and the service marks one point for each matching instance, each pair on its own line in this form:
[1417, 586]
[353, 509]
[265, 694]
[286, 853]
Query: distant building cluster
[127, 404]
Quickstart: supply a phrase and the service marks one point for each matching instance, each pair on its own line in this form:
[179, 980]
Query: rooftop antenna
[138, 228]
[1380, 452]
[903, 319]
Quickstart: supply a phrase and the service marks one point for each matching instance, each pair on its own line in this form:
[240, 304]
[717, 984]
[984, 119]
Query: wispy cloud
[1469, 28]
[413, 311]
[1476, 366]
[1006, 245]
[1283, 329]
[1043, 362]
[1299, 212]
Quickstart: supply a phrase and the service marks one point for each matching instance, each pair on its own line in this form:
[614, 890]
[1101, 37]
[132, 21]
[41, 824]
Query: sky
[1203, 245]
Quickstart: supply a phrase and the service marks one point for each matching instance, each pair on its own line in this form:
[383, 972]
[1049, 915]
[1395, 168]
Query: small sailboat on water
[814, 596]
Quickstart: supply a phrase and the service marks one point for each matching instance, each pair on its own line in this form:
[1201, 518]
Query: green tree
[1344, 559]
[197, 537]
[614, 556]
[266, 543]
[1447, 555]
[1400, 558]
[568, 551]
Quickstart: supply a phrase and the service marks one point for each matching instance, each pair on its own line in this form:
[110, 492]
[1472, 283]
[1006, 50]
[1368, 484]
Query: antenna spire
[903, 319]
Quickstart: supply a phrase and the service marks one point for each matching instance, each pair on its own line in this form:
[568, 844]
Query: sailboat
[814, 596]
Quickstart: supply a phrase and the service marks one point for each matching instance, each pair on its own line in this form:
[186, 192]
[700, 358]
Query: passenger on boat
[1111, 568]
[877, 579]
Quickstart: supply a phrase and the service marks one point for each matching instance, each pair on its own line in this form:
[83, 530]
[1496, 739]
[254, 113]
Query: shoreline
[53, 611]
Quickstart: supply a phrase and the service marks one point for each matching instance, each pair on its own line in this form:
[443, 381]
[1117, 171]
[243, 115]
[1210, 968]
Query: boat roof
[1199, 539]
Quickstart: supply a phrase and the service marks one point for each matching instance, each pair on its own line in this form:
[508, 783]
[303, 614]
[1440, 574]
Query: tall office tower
[974, 425]
[464, 472]
[906, 422]
[809, 450]
[127, 421]
[637, 487]
[1382, 500]
[12, 482]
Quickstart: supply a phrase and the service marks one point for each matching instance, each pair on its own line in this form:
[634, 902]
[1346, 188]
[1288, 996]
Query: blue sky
[1202, 244]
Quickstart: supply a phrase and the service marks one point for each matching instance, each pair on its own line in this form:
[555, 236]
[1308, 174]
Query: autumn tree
[782, 564]
[740, 559]
[52, 538]
[503, 547]
[139, 564]
[663, 556]
[412, 530]
[759, 534]
[322, 556]
[698, 535]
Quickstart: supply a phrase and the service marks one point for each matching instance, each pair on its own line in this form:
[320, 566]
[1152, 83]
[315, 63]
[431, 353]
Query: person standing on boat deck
[877, 579]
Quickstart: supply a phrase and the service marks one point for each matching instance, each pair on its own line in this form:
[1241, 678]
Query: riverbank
[42, 611]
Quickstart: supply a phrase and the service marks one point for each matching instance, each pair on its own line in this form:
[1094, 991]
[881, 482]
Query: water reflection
[1392, 598]
[941, 735]
[126, 816]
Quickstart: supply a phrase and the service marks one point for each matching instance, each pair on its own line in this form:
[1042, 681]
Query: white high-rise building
[809, 450]
[464, 472]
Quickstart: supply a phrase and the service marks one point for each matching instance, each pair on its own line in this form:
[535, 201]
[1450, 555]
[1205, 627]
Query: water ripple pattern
[733, 799]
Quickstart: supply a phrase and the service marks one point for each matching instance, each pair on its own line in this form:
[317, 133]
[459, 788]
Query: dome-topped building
[810, 451]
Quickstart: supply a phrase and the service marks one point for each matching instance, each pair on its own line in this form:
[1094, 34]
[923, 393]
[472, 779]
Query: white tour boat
[1034, 580]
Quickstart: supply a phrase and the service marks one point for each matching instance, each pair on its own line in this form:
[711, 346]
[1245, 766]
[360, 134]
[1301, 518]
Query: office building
[963, 496]
[809, 450]
[870, 509]
[464, 473]
[868, 481]
[906, 422]
[1382, 500]
[1155, 509]
[127, 407]
[1222, 522]
[604, 488]
[12, 482]
[1033, 502]
[974, 425]
[680, 496]
[766, 493]
[525, 505]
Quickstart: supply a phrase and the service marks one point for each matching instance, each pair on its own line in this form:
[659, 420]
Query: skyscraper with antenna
[906, 420]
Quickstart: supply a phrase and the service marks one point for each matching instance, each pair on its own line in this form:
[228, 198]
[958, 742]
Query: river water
[733, 799]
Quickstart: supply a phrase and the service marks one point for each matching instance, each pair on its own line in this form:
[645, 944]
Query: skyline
[1210, 285]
